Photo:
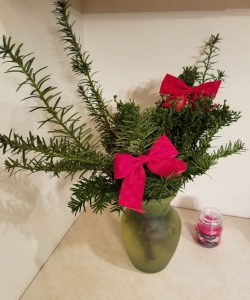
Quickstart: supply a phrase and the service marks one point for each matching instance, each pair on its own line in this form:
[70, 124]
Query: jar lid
[211, 216]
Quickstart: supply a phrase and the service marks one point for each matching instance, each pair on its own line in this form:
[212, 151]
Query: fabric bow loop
[180, 91]
[160, 160]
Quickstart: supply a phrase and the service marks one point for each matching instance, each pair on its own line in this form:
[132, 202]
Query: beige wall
[33, 209]
[132, 50]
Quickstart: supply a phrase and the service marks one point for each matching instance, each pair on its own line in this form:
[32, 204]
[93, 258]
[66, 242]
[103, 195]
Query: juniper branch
[159, 188]
[32, 165]
[201, 164]
[209, 52]
[214, 120]
[88, 88]
[97, 191]
[62, 117]
[226, 150]
[83, 161]
[136, 130]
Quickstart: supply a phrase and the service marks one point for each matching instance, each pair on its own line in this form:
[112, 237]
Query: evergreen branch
[32, 165]
[59, 116]
[71, 159]
[201, 164]
[219, 76]
[228, 149]
[159, 188]
[137, 131]
[213, 121]
[192, 129]
[190, 75]
[88, 88]
[210, 51]
[97, 191]
[48, 165]
[43, 164]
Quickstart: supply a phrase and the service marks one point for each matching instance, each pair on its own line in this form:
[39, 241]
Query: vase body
[151, 238]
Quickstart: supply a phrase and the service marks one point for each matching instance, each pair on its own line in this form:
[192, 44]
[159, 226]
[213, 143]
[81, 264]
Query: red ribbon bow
[180, 92]
[160, 160]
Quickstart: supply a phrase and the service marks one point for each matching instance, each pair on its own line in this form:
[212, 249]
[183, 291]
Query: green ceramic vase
[151, 238]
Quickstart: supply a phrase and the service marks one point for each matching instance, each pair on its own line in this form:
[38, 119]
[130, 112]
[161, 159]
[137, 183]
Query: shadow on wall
[145, 96]
[24, 207]
[114, 6]
[187, 202]
[18, 198]
[13, 14]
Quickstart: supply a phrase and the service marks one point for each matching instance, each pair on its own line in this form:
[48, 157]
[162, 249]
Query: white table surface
[91, 263]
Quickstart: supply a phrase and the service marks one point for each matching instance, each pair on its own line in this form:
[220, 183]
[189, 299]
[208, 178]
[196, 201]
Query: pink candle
[209, 228]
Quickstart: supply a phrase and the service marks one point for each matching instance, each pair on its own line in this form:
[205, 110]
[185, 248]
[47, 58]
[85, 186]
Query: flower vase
[151, 237]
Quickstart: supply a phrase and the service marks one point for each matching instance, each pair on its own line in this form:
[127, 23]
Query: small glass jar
[209, 228]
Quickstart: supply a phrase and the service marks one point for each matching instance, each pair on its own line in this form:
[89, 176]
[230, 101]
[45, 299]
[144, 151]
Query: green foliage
[71, 148]
[190, 75]
[134, 129]
[204, 71]
[54, 156]
[66, 122]
[88, 88]
[99, 191]
[209, 52]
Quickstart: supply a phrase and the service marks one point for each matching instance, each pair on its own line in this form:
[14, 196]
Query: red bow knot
[180, 92]
[160, 160]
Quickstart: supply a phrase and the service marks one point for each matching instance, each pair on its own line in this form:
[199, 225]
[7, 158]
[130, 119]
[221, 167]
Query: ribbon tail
[132, 190]
[206, 89]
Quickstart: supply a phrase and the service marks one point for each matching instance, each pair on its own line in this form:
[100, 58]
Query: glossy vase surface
[151, 238]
